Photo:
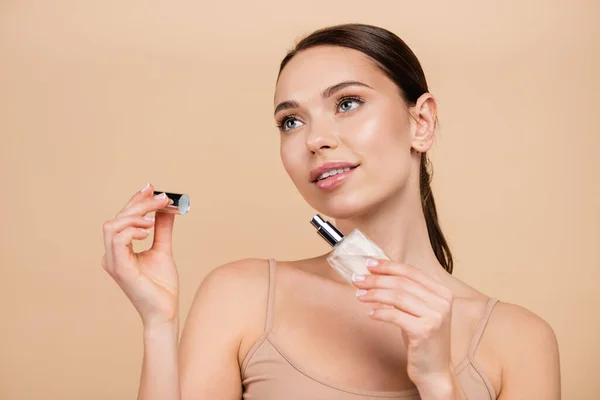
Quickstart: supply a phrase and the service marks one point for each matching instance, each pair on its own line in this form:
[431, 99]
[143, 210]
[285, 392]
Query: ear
[424, 114]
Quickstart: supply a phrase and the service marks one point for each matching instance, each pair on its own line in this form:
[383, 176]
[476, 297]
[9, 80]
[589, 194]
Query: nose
[320, 139]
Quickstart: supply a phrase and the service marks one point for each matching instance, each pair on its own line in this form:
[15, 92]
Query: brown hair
[394, 58]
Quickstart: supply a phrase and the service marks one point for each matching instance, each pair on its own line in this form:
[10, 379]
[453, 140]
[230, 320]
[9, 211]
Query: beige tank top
[268, 374]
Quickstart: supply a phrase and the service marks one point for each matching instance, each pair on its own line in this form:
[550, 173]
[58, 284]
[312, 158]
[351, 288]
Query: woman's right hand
[149, 278]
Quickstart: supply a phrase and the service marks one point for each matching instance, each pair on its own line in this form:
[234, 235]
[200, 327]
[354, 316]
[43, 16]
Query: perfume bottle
[350, 252]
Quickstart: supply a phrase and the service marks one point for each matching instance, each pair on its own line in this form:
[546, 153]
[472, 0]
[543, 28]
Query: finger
[143, 193]
[397, 298]
[405, 321]
[386, 267]
[121, 250]
[404, 284]
[163, 232]
[117, 225]
[144, 206]
[113, 227]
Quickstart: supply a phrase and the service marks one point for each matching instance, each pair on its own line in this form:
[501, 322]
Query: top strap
[271, 297]
[268, 318]
[485, 317]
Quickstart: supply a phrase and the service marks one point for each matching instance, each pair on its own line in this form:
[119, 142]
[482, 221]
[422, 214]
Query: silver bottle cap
[181, 203]
[326, 230]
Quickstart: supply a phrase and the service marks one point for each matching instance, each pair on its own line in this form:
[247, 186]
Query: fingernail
[371, 262]
[149, 218]
[371, 312]
[358, 278]
[361, 292]
[160, 196]
[146, 231]
[145, 188]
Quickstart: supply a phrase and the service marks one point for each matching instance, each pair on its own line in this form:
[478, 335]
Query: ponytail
[436, 237]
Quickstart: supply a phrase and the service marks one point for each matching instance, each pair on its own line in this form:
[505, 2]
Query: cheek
[382, 141]
[292, 160]
[380, 136]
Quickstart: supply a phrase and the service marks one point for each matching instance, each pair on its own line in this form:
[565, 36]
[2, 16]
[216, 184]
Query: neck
[398, 227]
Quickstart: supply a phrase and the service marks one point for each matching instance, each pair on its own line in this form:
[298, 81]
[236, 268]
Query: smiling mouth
[338, 172]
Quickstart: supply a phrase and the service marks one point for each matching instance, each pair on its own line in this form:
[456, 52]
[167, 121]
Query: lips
[315, 173]
[334, 181]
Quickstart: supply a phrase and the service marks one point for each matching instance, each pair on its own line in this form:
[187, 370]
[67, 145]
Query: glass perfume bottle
[350, 252]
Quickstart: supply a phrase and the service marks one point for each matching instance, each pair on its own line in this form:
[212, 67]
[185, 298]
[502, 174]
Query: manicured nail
[371, 312]
[361, 292]
[146, 231]
[371, 262]
[160, 196]
[358, 278]
[145, 188]
[149, 218]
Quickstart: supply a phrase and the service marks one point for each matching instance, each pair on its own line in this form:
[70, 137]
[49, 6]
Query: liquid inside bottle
[349, 257]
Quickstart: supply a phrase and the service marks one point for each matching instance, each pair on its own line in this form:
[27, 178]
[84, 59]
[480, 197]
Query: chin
[342, 206]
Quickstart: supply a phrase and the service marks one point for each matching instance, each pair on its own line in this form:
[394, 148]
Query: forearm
[160, 372]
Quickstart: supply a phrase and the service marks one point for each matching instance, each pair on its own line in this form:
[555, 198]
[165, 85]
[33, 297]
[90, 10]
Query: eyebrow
[330, 91]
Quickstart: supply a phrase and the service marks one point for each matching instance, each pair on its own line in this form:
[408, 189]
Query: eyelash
[283, 119]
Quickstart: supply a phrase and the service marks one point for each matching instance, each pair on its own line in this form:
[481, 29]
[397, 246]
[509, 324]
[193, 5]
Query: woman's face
[365, 123]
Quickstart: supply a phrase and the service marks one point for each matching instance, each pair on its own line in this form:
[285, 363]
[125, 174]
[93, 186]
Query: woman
[355, 96]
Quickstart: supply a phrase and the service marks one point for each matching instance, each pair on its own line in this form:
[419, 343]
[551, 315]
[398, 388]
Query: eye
[346, 104]
[287, 123]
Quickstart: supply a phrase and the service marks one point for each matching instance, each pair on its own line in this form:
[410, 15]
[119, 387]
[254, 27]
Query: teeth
[332, 173]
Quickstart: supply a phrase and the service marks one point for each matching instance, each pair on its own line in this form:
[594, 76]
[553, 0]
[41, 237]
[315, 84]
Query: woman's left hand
[422, 307]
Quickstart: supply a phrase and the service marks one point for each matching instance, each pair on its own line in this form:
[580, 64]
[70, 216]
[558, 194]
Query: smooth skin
[406, 325]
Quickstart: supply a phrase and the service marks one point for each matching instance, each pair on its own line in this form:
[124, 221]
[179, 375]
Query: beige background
[97, 98]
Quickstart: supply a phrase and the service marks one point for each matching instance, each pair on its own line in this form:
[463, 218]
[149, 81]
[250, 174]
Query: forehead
[312, 70]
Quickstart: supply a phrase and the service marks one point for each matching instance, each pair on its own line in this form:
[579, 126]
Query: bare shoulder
[232, 299]
[510, 328]
[228, 304]
[526, 346]
[516, 328]
[238, 277]
[509, 322]
[518, 350]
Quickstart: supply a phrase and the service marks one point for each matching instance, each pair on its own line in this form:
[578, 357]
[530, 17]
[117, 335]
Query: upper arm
[223, 307]
[529, 354]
